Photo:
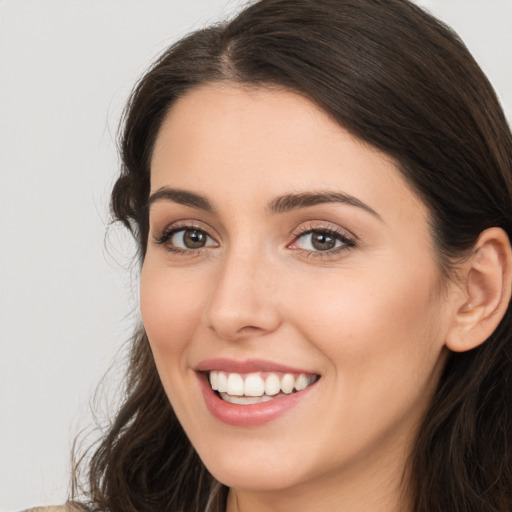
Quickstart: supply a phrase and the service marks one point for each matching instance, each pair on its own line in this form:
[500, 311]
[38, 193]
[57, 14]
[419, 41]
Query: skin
[371, 319]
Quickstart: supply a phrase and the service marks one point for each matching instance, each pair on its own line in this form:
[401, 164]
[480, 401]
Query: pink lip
[247, 415]
[248, 366]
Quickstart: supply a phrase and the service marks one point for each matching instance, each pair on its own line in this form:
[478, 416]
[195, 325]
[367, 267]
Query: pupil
[323, 241]
[194, 239]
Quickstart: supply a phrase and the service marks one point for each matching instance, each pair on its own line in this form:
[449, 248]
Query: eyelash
[169, 232]
[346, 241]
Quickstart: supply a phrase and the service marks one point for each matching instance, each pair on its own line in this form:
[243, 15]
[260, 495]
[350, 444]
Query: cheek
[169, 308]
[376, 324]
[384, 351]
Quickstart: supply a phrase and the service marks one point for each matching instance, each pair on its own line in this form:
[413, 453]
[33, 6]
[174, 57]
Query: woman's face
[285, 253]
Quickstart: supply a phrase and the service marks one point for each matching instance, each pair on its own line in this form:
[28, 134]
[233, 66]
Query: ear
[486, 289]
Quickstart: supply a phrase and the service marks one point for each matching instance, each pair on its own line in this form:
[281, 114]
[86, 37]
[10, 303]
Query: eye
[189, 239]
[322, 240]
[318, 241]
[183, 239]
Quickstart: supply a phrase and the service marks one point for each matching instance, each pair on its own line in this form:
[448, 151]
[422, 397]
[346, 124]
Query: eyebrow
[281, 204]
[291, 202]
[181, 197]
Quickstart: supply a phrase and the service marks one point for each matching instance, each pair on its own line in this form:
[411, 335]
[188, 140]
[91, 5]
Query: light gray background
[68, 299]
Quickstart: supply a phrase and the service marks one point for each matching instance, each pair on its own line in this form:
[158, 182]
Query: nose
[243, 304]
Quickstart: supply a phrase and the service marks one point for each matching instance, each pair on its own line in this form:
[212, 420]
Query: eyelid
[162, 236]
[158, 229]
[348, 239]
[322, 225]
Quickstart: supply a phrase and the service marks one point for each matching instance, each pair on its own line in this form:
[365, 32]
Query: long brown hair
[403, 82]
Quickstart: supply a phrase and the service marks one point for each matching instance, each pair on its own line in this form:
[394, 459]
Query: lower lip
[250, 415]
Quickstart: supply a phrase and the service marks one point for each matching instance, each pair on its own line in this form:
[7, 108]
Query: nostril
[249, 329]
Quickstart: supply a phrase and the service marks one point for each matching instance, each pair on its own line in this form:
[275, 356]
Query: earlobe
[487, 284]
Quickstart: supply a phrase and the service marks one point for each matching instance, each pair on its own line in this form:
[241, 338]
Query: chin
[254, 470]
[255, 478]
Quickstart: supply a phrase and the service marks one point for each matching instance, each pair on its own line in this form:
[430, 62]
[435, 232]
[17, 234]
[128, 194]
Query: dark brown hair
[403, 82]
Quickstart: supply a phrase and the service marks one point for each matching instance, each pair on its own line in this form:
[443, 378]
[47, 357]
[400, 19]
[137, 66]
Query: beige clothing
[61, 508]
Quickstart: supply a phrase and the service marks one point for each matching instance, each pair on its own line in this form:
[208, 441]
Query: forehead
[229, 141]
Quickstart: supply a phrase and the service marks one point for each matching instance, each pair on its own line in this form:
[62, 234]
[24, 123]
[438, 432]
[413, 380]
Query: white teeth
[272, 384]
[255, 386]
[214, 380]
[287, 383]
[302, 382]
[245, 400]
[235, 384]
[222, 382]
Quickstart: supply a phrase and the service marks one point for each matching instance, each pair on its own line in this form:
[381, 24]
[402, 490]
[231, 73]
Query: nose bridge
[242, 303]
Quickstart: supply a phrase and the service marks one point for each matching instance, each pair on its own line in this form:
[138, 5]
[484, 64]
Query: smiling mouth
[255, 388]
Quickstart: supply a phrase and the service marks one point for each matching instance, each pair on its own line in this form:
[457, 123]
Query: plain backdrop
[68, 291]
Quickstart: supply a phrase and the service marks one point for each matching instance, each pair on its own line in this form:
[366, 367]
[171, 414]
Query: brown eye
[323, 241]
[193, 238]
[186, 239]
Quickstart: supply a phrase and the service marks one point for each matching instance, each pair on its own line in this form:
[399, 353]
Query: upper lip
[247, 366]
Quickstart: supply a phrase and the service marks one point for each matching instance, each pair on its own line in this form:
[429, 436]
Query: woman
[321, 192]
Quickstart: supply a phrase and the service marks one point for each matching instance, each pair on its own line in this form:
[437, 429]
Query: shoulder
[61, 508]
